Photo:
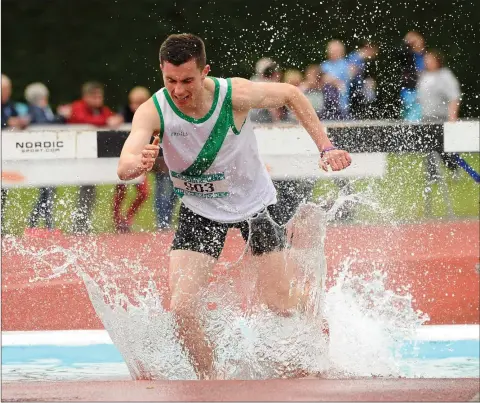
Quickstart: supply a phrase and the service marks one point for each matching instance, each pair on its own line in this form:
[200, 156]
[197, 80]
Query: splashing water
[367, 322]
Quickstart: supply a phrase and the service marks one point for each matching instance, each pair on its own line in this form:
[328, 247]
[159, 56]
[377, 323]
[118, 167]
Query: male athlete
[211, 151]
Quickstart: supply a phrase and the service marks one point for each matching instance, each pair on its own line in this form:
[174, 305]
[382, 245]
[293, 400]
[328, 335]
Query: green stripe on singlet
[214, 142]
[159, 110]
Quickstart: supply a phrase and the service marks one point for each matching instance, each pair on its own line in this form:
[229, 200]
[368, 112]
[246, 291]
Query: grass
[398, 196]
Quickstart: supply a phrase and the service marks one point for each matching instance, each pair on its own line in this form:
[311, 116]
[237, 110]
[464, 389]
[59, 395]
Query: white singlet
[215, 169]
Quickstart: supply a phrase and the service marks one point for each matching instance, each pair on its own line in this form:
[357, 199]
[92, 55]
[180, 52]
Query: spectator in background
[293, 77]
[270, 73]
[438, 90]
[90, 110]
[136, 97]
[311, 86]
[10, 115]
[260, 67]
[39, 110]
[363, 84]
[411, 57]
[10, 119]
[338, 67]
[439, 96]
[323, 92]
[36, 95]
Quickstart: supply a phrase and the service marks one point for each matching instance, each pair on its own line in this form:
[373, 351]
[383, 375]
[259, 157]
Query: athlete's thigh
[197, 244]
[199, 234]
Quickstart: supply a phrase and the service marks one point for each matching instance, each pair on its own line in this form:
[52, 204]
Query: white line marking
[89, 337]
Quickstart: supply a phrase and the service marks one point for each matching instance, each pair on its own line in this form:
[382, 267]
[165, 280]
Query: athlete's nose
[179, 90]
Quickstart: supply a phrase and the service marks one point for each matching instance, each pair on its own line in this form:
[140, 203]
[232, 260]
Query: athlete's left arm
[248, 95]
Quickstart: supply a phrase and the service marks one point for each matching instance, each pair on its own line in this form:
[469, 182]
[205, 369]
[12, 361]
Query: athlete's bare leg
[189, 273]
[276, 282]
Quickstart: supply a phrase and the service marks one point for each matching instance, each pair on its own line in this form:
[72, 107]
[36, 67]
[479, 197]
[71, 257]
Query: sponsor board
[20, 146]
[461, 137]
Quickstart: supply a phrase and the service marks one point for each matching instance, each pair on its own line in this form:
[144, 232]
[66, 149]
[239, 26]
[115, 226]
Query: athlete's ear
[205, 71]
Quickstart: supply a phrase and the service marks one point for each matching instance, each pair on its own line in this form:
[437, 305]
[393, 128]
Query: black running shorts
[199, 234]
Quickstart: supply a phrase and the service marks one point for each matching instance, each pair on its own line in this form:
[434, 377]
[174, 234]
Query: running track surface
[404, 390]
[438, 260]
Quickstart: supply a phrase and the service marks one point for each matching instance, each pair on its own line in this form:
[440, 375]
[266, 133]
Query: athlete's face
[184, 83]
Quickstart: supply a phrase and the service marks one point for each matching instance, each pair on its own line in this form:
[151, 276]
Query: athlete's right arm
[138, 156]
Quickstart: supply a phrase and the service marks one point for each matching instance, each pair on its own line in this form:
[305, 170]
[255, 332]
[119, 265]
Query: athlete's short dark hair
[180, 48]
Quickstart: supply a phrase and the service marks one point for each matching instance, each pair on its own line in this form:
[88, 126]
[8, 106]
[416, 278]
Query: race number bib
[206, 186]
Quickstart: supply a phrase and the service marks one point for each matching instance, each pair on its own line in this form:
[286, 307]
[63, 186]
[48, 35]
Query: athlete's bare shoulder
[146, 117]
[248, 95]
[241, 90]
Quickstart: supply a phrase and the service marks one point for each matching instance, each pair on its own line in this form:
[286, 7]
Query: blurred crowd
[342, 87]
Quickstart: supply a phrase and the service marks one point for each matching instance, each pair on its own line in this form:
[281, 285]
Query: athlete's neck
[202, 102]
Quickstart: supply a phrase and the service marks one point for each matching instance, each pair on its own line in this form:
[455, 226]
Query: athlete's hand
[150, 153]
[336, 159]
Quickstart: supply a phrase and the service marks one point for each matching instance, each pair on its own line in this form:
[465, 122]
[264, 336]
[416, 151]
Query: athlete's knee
[182, 302]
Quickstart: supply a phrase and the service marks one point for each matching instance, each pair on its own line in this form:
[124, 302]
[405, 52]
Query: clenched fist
[336, 159]
[150, 153]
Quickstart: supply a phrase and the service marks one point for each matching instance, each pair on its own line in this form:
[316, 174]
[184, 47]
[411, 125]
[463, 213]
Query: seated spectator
[10, 115]
[10, 119]
[338, 67]
[39, 109]
[90, 110]
[323, 92]
[136, 97]
[312, 87]
[260, 67]
[363, 84]
[22, 109]
[40, 112]
[439, 94]
[293, 77]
